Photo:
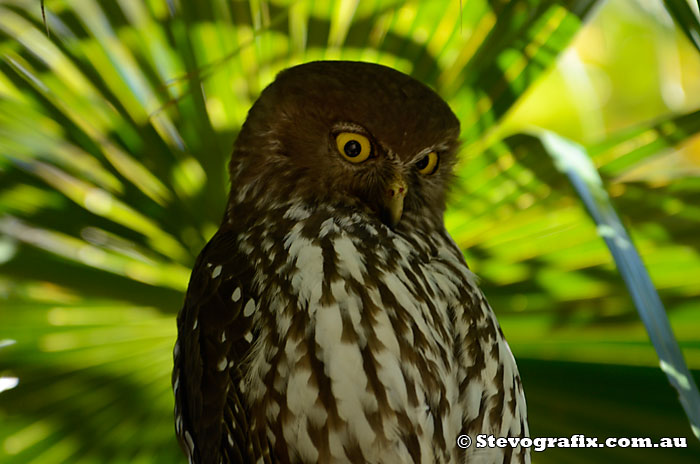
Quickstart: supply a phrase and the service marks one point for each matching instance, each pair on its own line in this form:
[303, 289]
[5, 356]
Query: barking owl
[332, 318]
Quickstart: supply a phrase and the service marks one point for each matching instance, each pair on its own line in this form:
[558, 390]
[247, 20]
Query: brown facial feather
[288, 142]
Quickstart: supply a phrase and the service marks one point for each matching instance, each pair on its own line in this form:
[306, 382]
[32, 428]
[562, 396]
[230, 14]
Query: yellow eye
[428, 164]
[354, 147]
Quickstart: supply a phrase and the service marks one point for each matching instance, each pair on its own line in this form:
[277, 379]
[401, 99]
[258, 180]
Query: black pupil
[352, 148]
[423, 162]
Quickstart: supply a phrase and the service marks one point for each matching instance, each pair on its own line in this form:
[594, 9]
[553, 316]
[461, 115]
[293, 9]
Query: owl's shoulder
[214, 334]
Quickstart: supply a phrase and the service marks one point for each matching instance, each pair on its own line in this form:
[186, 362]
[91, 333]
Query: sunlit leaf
[571, 159]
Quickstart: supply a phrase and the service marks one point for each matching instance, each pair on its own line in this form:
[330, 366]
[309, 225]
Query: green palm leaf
[571, 159]
[115, 131]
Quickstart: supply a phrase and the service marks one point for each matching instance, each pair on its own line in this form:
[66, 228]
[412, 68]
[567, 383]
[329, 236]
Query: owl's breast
[356, 357]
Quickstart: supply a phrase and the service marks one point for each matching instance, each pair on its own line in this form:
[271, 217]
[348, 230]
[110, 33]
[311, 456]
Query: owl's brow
[439, 147]
[348, 126]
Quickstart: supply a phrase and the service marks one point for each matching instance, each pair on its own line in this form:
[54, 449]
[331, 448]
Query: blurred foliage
[114, 134]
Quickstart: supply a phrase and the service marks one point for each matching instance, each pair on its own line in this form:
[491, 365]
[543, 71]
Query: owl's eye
[428, 164]
[354, 147]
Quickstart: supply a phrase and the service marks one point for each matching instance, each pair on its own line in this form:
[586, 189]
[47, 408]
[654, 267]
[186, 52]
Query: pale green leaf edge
[573, 160]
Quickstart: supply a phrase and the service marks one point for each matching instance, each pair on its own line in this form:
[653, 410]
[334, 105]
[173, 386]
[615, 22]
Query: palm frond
[572, 160]
[686, 18]
[115, 130]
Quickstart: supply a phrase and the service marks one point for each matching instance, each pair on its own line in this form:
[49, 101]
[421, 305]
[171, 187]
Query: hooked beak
[393, 200]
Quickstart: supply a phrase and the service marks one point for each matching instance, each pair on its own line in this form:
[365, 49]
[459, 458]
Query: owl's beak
[395, 193]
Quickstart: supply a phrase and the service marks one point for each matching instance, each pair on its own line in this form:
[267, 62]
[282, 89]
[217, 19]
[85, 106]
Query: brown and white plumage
[332, 318]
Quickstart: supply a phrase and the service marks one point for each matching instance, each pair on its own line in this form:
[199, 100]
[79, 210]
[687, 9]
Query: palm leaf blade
[572, 160]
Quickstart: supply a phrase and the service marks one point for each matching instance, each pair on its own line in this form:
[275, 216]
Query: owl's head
[352, 135]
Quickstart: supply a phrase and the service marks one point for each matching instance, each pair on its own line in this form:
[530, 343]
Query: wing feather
[211, 417]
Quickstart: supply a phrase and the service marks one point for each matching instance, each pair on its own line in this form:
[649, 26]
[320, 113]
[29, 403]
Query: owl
[332, 318]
